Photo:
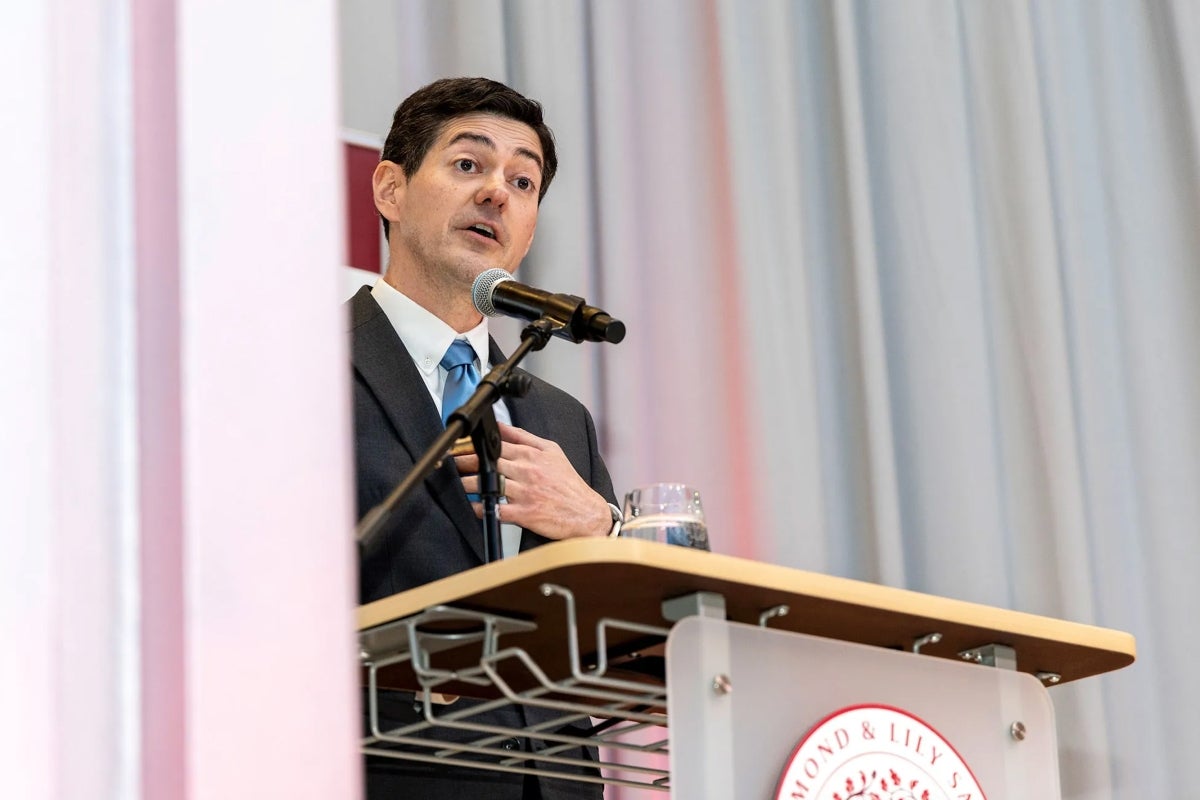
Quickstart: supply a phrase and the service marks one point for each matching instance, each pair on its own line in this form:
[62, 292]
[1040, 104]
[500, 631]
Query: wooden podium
[727, 664]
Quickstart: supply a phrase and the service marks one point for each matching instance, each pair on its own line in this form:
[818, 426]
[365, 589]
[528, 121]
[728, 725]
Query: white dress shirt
[427, 339]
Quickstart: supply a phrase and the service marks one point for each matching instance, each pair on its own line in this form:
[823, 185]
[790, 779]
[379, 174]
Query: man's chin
[463, 274]
[476, 267]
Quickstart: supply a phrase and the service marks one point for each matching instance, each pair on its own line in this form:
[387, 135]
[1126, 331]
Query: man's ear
[388, 184]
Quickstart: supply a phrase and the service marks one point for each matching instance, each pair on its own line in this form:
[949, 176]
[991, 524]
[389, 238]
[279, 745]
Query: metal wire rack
[623, 716]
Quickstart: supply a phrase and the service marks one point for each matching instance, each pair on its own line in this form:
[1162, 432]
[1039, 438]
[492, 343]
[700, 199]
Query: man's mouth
[483, 230]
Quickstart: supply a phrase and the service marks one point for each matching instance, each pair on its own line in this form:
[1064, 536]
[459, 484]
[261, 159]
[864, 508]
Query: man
[461, 177]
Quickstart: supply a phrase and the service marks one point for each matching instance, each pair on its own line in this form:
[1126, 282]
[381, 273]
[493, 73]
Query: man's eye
[524, 184]
[466, 165]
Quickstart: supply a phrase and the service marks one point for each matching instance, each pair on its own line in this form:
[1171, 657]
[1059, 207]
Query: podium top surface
[628, 579]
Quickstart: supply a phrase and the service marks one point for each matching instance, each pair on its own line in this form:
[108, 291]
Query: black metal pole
[486, 439]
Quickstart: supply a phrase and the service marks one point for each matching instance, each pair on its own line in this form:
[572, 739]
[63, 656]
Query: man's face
[472, 205]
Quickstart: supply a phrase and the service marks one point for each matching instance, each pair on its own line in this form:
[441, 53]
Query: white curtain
[912, 292]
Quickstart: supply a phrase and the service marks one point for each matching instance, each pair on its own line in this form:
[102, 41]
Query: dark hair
[421, 118]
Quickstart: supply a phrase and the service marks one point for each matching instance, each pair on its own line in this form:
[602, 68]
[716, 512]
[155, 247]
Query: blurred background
[912, 292]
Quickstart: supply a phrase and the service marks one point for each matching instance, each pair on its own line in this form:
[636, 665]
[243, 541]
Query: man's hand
[545, 493]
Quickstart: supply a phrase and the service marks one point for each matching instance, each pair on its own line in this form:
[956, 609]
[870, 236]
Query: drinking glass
[666, 512]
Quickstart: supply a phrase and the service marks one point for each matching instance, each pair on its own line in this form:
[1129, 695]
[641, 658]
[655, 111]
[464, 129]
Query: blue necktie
[461, 377]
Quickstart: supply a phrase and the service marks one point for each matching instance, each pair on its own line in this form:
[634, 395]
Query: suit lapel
[381, 359]
[526, 412]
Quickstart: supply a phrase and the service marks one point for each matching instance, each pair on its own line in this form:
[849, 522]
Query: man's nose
[494, 190]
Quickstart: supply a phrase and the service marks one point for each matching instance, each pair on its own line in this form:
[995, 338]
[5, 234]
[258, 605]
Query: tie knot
[460, 353]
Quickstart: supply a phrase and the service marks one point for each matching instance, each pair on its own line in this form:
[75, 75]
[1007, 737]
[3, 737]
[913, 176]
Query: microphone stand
[475, 418]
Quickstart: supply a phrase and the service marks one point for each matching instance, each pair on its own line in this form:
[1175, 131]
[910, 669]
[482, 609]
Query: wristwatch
[616, 515]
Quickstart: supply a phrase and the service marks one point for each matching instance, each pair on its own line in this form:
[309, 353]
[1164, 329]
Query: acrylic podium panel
[742, 697]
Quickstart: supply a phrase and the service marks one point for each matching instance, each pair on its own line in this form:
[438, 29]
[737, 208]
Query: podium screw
[721, 684]
[1017, 731]
[1049, 677]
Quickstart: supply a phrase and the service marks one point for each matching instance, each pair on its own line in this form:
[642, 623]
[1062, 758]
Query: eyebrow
[487, 142]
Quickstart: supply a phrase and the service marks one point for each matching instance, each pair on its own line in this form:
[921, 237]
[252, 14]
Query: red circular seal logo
[874, 752]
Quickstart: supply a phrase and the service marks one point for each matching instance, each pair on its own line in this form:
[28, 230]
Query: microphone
[496, 293]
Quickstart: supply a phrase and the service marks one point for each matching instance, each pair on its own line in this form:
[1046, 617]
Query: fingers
[467, 465]
[514, 435]
[513, 458]
[471, 484]
[503, 512]
[507, 465]
[467, 462]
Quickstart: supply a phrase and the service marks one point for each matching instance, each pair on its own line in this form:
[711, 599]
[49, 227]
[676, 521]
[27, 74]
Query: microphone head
[484, 287]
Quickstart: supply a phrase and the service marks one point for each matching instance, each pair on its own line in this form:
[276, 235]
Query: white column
[271, 691]
[176, 557]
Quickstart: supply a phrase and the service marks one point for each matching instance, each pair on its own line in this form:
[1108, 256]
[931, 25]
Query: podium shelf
[628, 579]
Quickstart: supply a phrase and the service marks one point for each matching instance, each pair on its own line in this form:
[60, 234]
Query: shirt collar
[424, 335]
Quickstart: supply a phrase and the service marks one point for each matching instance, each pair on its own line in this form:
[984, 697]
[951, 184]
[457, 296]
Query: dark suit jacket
[435, 533]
